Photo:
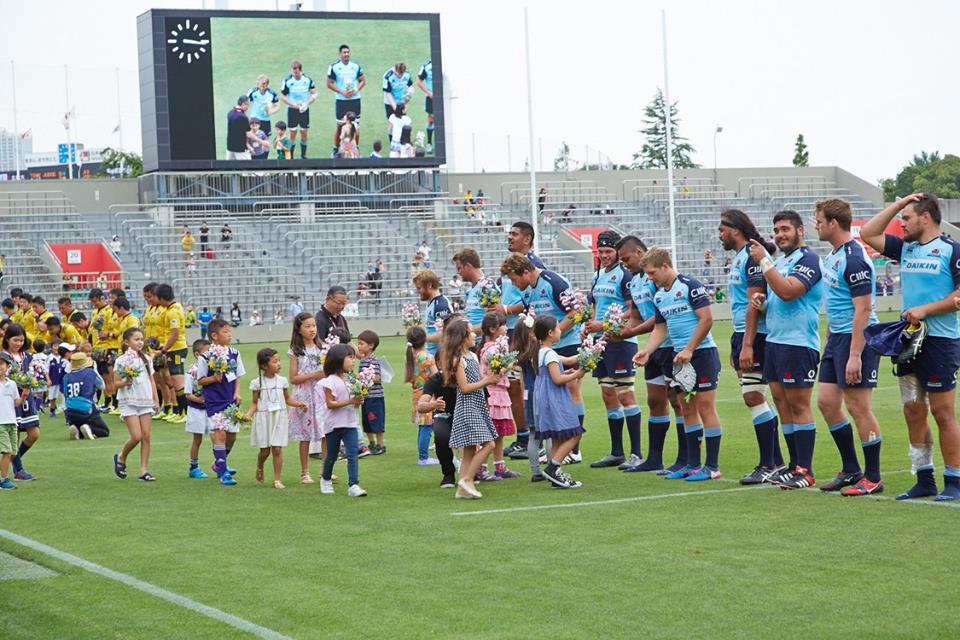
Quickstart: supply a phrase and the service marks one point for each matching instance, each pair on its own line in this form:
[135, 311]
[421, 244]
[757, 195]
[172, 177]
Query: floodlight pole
[534, 222]
[669, 149]
[16, 129]
[119, 112]
[66, 86]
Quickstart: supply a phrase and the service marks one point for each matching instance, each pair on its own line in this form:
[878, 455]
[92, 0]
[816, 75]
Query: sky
[866, 82]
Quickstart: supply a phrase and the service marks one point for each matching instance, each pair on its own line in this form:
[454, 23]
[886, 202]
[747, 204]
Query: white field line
[146, 587]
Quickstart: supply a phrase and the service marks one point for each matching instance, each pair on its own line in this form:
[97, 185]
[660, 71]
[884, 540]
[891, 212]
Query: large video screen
[240, 89]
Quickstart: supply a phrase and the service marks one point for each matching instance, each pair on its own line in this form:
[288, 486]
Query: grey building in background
[8, 150]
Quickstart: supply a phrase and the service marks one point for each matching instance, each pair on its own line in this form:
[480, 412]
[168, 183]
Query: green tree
[801, 157]
[125, 164]
[562, 161]
[903, 184]
[653, 153]
[941, 178]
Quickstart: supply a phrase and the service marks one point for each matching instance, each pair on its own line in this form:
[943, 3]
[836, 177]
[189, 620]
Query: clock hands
[198, 42]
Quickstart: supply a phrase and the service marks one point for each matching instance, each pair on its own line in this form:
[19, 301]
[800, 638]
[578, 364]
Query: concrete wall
[88, 196]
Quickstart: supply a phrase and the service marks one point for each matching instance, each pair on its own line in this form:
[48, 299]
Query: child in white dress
[268, 410]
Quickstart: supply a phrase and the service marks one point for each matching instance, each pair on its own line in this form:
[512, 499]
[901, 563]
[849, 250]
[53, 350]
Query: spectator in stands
[203, 320]
[278, 317]
[255, 318]
[218, 313]
[330, 314]
[377, 148]
[114, 246]
[295, 307]
[101, 282]
[191, 316]
[707, 265]
[186, 243]
[185, 230]
[376, 284]
[719, 294]
[235, 318]
[541, 199]
[424, 250]
[204, 238]
[565, 215]
[226, 235]
[192, 264]
[480, 199]
[468, 204]
[417, 263]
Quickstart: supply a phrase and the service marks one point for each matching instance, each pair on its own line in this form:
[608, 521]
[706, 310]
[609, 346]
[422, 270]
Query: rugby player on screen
[425, 82]
[345, 78]
[299, 92]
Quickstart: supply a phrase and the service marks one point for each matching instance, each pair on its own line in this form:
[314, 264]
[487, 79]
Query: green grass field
[243, 48]
[633, 554]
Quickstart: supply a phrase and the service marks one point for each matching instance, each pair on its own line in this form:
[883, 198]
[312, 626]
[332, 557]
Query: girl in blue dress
[554, 411]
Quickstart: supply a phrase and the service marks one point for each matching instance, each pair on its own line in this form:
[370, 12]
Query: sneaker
[759, 475]
[105, 408]
[355, 491]
[679, 474]
[863, 487]
[429, 148]
[799, 478]
[646, 465]
[573, 458]
[704, 473]
[780, 475]
[486, 476]
[842, 480]
[87, 432]
[571, 483]
[197, 474]
[506, 473]
[429, 462]
[326, 487]
[73, 433]
[375, 450]
[363, 453]
[515, 451]
[633, 461]
[676, 466]
[554, 474]
[23, 476]
[608, 460]
[448, 482]
[561, 480]
[227, 480]
[7, 484]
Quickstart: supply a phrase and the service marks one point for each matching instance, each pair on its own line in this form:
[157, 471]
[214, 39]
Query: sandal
[259, 474]
[147, 477]
[119, 468]
[305, 478]
[278, 485]
[333, 477]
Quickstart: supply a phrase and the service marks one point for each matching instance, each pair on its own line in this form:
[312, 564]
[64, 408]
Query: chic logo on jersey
[859, 276]
[805, 270]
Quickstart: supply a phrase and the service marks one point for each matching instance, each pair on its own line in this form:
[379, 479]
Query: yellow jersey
[44, 335]
[70, 334]
[122, 324]
[105, 312]
[174, 318]
[69, 320]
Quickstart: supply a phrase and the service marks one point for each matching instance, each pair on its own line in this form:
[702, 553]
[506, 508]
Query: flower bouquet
[320, 358]
[410, 315]
[577, 305]
[590, 353]
[499, 357]
[218, 360]
[361, 383]
[489, 293]
[230, 417]
[128, 366]
[614, 320]
[153, 344]
[23, 379]
[98, 323]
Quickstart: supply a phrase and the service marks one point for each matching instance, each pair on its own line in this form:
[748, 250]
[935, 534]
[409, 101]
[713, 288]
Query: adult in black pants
[440, 401]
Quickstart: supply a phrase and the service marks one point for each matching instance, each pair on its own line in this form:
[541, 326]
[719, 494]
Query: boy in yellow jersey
[9, 308]
[99, 335]
[68, 314]
[175, 348]
[15, 314]
[63, 332]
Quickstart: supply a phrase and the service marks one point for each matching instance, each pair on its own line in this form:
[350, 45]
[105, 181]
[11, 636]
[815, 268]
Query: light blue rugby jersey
[849, 274]
[437, 309]
[677, 307]
[396, 86]
[510, 295]
[611, 287]
[426, 74]
[260, 103]
[928, 272]
[345, 75]
[471, 303]
[297, 90]
[544, 300]
[745, 273]
[797, 322]
[642, 291]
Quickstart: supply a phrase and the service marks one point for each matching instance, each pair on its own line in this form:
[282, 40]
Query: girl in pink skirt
[493, 327]
[305, 373]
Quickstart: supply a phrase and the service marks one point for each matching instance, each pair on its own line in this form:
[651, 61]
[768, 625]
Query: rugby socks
[657, 428]
[790, 437]
[951, 484]
[429, 134]
[219, 459]
[712, 436]
[765, 426]
[116, 401]
[777, 453]
[181, 402]
[615, 423]
[303, 150]
[842, 434]
[694, 435]
[632, 415]
[871, 459]
[681, 460]
[805, 435]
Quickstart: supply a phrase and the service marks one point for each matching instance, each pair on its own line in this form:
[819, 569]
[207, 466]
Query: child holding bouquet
[554, 411]
[495, 358]
[137, 395]
[420, 366]
[14, 339]
[340, 419]
[219, 371]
